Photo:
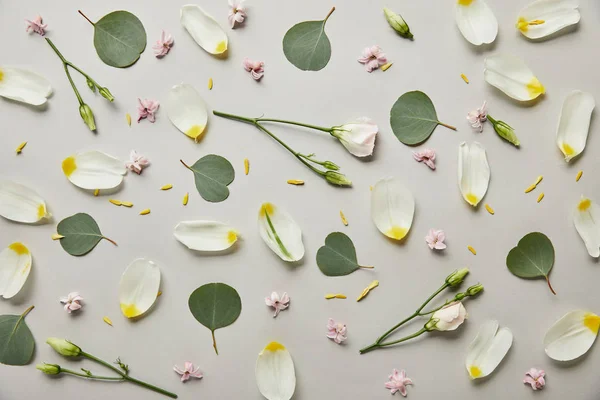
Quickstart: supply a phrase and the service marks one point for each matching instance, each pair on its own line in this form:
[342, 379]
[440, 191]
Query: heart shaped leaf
[215, 305]
[338, 256]
[80, 234]
[532, 258]
[16, 340]
[212, 175]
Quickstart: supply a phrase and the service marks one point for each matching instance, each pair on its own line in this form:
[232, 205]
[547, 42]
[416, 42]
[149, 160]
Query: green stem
[56, 51]
[70, 64]
[102, 362]
[235, 117]
[84, 16]
[25, 313]
[414, 335]
[492, 120]
[96, 377]
[283, 121]
[65, 66]
[328, 15]
[214, 342]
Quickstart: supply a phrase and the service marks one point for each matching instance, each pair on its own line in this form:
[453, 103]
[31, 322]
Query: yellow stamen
[221, 47]
[145, 212]
[567, 150]
[210, 83]
[296, 182]
[371, 188]
[335, 296]
[126, 204]
[166, 187]
[489, 209]
[592, 322]
[535, 88]
[128, 119]
[385, 67]
[396, 232]
[1, 75]
[584, 204]
[343, 217]
[471, 199]
[472, 250]
[186, 197]
[159, 294]
[538, 180]
[107, 320]
[578, 177]
[366, 291]
[266, 208]
[96, 192]
[246, 166]
[56, 236]
[116, 202]
[41, 211]
[474, 371]
[195, 132]
[21, 147]
[464, 78]
[19, 248]
[231, 237]
[274, 346]
[69, 165]
[465, 2]
[540, 197]
[530, 188]
[130, 310]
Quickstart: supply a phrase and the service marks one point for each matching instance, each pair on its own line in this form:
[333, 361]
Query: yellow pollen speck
[535, 88]
[296, 182]
[578, 177]
[186, 197]
[472, 250]
[567, 150]
[159, 294]
[107, 320]
[1, 75]
[195, 132]
[56, 236]
[471, 199]
[396, 232]
[465, 2]
[96, 192]
[371, 188]
[126, 204]
[246, 166]
[584, 204]
[266, 208]
[540, 197]
[21, 147]
[128, 119]
[69, 165]
[474, 371]
[464, 78]
[522, 24]
[274, 346]
[166, 187]
[210, 83]
[385, 67]
[489, 209]
[231, 237]
[343, 217]
[592, 322]
[145, 211]
[221, 47]
[41, 211]
[530, 188]
[116, 202]
[130, 310]
[19, 248]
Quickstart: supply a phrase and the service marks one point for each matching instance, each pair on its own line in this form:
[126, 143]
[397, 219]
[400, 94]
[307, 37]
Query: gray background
[408, 272]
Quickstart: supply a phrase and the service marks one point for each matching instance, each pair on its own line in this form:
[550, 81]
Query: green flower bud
[106, 94]
[91, 85]
[88, 116]
[431, 324]
[50, 369]
[474, 290]
[505, 131]
[331, 165]
[64, 347]
[398, 23]
[337, 179]
[457, 277]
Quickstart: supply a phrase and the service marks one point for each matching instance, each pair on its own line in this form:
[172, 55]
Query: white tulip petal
[204, 29]
[21, 204]
[473, 172]
[205, 235]
[392, 208]
[187, 111]
[94, 170]
[512, 76]
[24, 86]
[488, 349]
[476, 21]
[280, 232]
[15, 265]
[574, 123]
[275, 373]
[139, 287]
[545, 17]
[572, 335]
[587, 222]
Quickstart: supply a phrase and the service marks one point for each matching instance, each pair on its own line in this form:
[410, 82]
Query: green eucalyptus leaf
[215, 305]
[81, 234]
[338, 256]
[212, 174]
[413, 118]
[307, 46]
[16, 340]
[532, 258]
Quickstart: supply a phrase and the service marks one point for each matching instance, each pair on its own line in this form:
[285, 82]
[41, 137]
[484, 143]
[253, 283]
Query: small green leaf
[16, 340]
[307, 46]
[413, 118]
[212, 175]
[532, 258]
[338, 256]
[80, 234]
[215, 305]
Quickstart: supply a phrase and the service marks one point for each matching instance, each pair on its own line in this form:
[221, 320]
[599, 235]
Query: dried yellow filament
[296, 182]
[366, 291]
[158, 294]
[21, 147]
[246, 166]
[578, 177]
[373, 285]
[464, 78]
[340, 296]
[166, 187]
[96, 192]
[335, 296]
[210, 83]
[530, 188]
[343, 217]
[186, 197]
[126, 204]
[128, 119]
[145, 212]
[538, 180]
[489, 209]
[56, 236]
[106, 319]
[540, 197]
[472, 250]
[385, 67]
[116, 202]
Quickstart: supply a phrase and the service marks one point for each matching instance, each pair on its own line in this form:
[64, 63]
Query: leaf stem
[447, 126]
[185, 165]
[27, 311]
[549, 285]
[366, 266]
[214, 342]
[329, 15]
[84, 16]
[110, 240]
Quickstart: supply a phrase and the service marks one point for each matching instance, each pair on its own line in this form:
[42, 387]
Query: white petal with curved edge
[24, 86]
[473, 172]
[94, 170]
[545, 17]
[280, 232]
[571, 336]
[574, 123]
[275, 373]
[15, 265]
[187, 110]
[204, 29]
[488, 349]
[392, 208]
[512, 76]
[587, 222]
[139, 287]
[205, 235]
[476, 21]
[21, 204]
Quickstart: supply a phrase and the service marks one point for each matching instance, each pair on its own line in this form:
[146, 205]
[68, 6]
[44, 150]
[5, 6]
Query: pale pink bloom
[448, 318]
[72, 302]
[373, 58]
[36, 26]
[146, 109]
[137, 162]
[477, 117]
[163, 45]
[426, 156]
[237, 12]
[398, 382]
[278, 303]
[188, 371]
[336, 331]
[357, 137]
[435, 239]
[535, 377]
[256, 68]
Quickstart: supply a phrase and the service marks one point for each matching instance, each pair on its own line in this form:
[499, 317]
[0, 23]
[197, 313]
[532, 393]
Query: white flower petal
[139, 287]
[358, 137]
[511, 75]
[473, 172]
[280, 232]
[574, 123]
[275, 374]
[572, 335]
[94, 170]
[204, 29]
[15, 265]
[392, 208]
[587, 222]
[205, 235]
[21, 204]
[24, 86]
[187, 111]
[545, 17]
[488, 349]
[476, 21]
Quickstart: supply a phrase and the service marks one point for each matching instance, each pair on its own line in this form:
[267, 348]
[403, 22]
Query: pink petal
[178, 370]
[188, 366]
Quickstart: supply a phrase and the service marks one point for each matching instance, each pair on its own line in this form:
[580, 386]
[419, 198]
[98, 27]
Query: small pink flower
[72, 302]
[373, 58]
[36, 26]
[535, 377]
[278, 303]
[426, 156]
[188, 371]
[477, 117]
[163, 45]
[146, 109]
[435, 239]
[398, 382]
[256, 68]
[237, 12]
[336, 331]
[137, 162]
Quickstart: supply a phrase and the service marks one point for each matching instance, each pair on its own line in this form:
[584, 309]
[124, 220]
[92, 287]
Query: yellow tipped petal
[166, 187]
[205, 235]
[145, 212]
[472, 250]
[106, 319]
[21, 147]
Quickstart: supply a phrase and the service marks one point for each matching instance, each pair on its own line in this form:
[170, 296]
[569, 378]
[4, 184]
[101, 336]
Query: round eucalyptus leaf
[212, 175]
[119, 38]
[81, 234]
[338, 256]
[533, 257]
[307, 46]
[16, 341]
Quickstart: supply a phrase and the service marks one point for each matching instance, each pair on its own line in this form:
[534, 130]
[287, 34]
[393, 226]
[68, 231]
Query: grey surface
[408, 272]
